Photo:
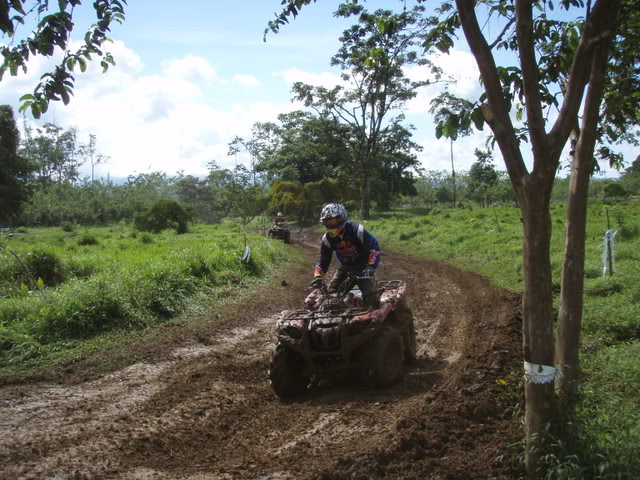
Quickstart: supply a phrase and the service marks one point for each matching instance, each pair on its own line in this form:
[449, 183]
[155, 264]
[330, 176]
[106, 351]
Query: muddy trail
[202, 408]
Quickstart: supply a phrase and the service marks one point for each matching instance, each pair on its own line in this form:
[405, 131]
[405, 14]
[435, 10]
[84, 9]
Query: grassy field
[606, 427]
[63, 293]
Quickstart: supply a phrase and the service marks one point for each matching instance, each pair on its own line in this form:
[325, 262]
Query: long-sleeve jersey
[355, 248]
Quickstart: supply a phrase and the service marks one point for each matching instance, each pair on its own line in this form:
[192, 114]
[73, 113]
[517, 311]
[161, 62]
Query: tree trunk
[365, 199]
[537, 302]
[453, 176]
[534, 189]
[572, 289]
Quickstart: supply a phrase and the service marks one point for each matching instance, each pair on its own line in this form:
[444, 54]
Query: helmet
[332, 210]
[279, 214]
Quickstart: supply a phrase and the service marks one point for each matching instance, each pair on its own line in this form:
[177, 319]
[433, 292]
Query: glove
[368, 272]
[316, 283]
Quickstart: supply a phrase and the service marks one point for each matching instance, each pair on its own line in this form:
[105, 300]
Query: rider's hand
[316, 283]
[368, 272]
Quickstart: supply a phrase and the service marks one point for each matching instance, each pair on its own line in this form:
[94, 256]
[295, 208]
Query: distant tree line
[298, 164]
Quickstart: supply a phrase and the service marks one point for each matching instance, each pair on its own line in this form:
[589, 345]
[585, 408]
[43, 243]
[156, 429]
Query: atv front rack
[325, 314]
[389, 284]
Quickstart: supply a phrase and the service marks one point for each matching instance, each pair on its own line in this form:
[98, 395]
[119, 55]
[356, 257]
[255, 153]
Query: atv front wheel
[383, 359]
[408, 329]
[287, 373]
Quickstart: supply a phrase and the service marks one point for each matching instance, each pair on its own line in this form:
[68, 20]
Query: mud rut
[205, 410]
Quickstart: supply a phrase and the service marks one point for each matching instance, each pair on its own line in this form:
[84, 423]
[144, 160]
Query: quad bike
[280, 232]
[337, 336]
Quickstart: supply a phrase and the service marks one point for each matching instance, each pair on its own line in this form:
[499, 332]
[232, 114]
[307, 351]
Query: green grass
[489, 241]
[59, 291]
[105, 285]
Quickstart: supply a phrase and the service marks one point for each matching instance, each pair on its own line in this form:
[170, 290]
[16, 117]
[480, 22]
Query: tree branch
[600, 25]
[502, 33]
[497, 110]
[530, 78]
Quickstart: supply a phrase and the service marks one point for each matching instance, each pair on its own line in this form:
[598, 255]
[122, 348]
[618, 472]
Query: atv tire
[287, 373]
[408, 329]
[383, 359]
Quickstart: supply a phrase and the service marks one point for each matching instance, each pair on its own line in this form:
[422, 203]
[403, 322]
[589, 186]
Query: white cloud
[247, 80]
[459, 66]
[325, 79]
[437, 152]
[185, 115]
[190, 69]
[180, 119]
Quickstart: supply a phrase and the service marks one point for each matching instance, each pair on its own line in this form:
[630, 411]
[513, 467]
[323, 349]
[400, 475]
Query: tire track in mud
[207, 411]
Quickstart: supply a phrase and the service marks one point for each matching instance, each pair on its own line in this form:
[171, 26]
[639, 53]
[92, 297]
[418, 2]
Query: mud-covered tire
[382, 361]
[287, 373]
[287, 237]
[408, 329]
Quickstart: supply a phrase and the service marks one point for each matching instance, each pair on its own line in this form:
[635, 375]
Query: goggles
[332, 222]
[333, 226]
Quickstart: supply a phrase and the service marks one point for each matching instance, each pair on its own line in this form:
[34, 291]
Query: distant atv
[281, 232]
[337, 336]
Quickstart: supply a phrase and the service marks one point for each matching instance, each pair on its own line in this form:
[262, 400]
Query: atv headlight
[292, 332]
[359, 325]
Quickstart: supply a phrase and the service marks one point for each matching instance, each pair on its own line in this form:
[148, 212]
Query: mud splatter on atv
[337, 336]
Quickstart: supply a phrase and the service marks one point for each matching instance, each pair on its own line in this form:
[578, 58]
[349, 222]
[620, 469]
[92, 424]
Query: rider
[356, 249]
[279, 220]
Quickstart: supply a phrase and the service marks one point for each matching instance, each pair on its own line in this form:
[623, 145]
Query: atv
[337, 336]
[281, 232]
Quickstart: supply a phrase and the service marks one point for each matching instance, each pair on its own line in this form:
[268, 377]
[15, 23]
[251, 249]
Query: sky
[188, 80]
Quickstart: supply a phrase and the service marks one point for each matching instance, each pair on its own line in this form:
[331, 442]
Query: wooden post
[608, 245]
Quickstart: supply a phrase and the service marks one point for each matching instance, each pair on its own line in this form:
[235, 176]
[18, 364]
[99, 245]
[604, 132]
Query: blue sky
[189, 79]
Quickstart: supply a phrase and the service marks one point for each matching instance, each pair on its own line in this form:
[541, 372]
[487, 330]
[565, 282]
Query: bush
[146, 238]
[627, 232]
[45, 265]
[408, 235]
[82, 310]
[87, 239]
[164, 214]
[81, 268]
[604, 287]
[614, 190]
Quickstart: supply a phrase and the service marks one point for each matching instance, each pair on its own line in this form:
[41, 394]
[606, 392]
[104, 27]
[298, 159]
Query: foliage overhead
[51, 34]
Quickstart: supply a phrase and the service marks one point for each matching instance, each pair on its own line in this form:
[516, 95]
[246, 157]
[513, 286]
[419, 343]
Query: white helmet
[279, 214]
[333, 210]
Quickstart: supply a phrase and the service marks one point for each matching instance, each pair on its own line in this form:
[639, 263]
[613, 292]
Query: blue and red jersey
[356, 249]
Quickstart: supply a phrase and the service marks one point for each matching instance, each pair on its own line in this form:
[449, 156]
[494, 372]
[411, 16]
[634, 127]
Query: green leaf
[519, 112]
[24, 107]
[445, 130]
[17, 6]
[477, 118]
[35, 110]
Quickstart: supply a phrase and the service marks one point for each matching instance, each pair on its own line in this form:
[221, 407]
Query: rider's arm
[371, 245]
[326, 252]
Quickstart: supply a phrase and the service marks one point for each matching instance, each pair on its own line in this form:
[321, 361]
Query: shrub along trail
[199, 406]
